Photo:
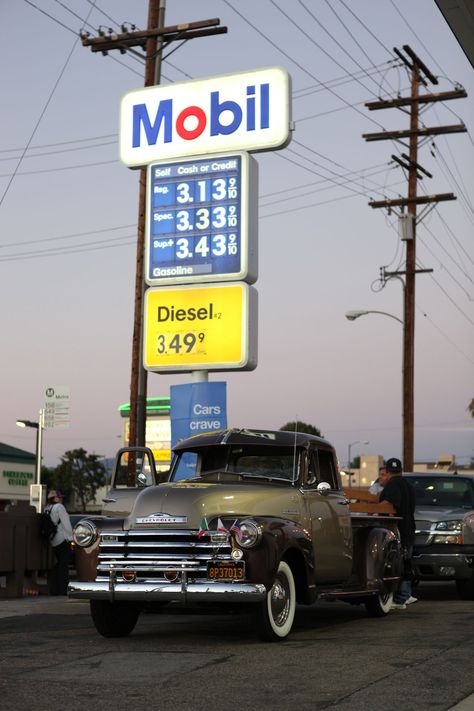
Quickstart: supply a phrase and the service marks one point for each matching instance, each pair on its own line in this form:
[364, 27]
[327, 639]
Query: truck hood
[439, 513]
[185, 504]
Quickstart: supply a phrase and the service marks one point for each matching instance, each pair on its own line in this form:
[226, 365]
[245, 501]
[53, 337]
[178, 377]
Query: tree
[79, 474]
[355, 464]
[301, 427]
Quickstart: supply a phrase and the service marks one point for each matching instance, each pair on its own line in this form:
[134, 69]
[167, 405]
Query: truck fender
[282, 539]
[383, 559]
[86, 558]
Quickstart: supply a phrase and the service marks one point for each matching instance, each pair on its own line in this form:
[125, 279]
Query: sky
[68, 214]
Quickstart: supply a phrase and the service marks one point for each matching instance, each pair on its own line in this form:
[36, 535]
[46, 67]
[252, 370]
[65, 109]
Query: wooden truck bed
[363, 503]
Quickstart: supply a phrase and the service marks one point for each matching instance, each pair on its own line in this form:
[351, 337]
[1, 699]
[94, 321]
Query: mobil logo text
[246, 111]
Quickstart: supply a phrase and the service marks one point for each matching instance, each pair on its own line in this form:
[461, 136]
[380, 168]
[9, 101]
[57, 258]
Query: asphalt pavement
[337, 658]
[43, 605]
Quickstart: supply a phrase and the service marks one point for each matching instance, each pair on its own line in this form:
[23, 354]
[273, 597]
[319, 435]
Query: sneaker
[398, 606]
[410, 600]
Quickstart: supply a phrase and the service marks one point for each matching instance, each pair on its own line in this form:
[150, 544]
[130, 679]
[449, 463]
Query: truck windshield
[443, 491]
[263, 462]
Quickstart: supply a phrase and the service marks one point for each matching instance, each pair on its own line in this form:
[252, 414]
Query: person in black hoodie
[401, 494]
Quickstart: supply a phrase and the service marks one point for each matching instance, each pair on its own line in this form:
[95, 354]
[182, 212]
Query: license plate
[225, 570]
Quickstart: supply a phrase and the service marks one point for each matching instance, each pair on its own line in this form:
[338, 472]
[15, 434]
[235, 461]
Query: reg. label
[202, 220]
[200, 328]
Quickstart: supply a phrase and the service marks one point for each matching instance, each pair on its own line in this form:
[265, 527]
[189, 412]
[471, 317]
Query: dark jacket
[401, 494]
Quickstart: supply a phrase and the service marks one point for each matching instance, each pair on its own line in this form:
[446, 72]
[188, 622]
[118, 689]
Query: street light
[349, 450]
[38, 426]
[352, 315]
[407, 387]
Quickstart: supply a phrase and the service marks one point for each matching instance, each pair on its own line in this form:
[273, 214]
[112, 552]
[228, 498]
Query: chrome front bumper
[207, 591]
[443, 566]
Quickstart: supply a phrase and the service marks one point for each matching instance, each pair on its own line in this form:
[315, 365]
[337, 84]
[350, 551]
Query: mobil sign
[249, 111]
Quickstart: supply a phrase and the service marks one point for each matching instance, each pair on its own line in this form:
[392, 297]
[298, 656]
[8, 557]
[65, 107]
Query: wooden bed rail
[362, 501]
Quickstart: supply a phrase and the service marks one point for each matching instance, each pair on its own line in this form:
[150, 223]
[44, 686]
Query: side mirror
[323, 488]
[141, 479]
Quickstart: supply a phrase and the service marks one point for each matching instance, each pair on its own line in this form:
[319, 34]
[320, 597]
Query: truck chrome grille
[158, 554]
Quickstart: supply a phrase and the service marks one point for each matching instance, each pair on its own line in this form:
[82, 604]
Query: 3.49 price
[178, 342]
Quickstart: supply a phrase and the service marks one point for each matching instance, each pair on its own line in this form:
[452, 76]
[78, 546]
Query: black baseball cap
[393, 465]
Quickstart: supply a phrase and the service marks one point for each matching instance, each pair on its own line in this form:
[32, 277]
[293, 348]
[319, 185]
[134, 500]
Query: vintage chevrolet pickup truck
[248, 517]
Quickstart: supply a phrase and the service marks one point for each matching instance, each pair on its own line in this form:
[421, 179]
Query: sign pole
[199, 376]
[138, 381]
[39, 447]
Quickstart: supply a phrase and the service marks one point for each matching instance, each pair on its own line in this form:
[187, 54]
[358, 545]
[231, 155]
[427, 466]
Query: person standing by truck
[401, 494]
[60, 542]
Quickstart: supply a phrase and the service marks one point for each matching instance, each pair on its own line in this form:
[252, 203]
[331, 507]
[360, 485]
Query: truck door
[134, 469]
[329, 520]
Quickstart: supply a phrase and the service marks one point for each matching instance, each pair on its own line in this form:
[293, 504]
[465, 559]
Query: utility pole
[153, 41]
[419, 74]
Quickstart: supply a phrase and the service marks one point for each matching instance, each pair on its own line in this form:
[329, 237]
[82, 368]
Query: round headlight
[85, 533]
[250, 534]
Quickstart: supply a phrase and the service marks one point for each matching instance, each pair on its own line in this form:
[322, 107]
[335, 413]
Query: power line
[98, 9]
[338, 175]
[300, 66]
[78, 17]
[377, 39]
[69, 236]
[56, 252]
[63, 150]
[453, 236]
[55, 19]
[41, 114]
[448, 339]
[450, 298]
[346, 78]
[56, 170]
[51, 17]
[445, 269]
[311, 189]
[59, 143]
[336, 41]
[351, 35]
[410, 27]
[464, 199]
[443, 248]
[316, 44]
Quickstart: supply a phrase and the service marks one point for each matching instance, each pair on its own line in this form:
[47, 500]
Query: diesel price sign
[213, 327]
[202, 220]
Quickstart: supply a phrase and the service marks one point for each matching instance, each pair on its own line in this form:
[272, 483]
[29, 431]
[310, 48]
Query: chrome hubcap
[280, 601]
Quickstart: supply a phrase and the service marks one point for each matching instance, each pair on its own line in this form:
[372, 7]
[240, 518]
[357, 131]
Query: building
[158, 429]
[17, 472]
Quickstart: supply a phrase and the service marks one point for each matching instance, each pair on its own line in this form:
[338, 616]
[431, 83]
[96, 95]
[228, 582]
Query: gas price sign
[202, 220]
[211, 327]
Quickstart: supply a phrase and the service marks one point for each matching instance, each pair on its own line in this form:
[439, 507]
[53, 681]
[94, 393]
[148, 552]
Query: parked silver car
[444, 515]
